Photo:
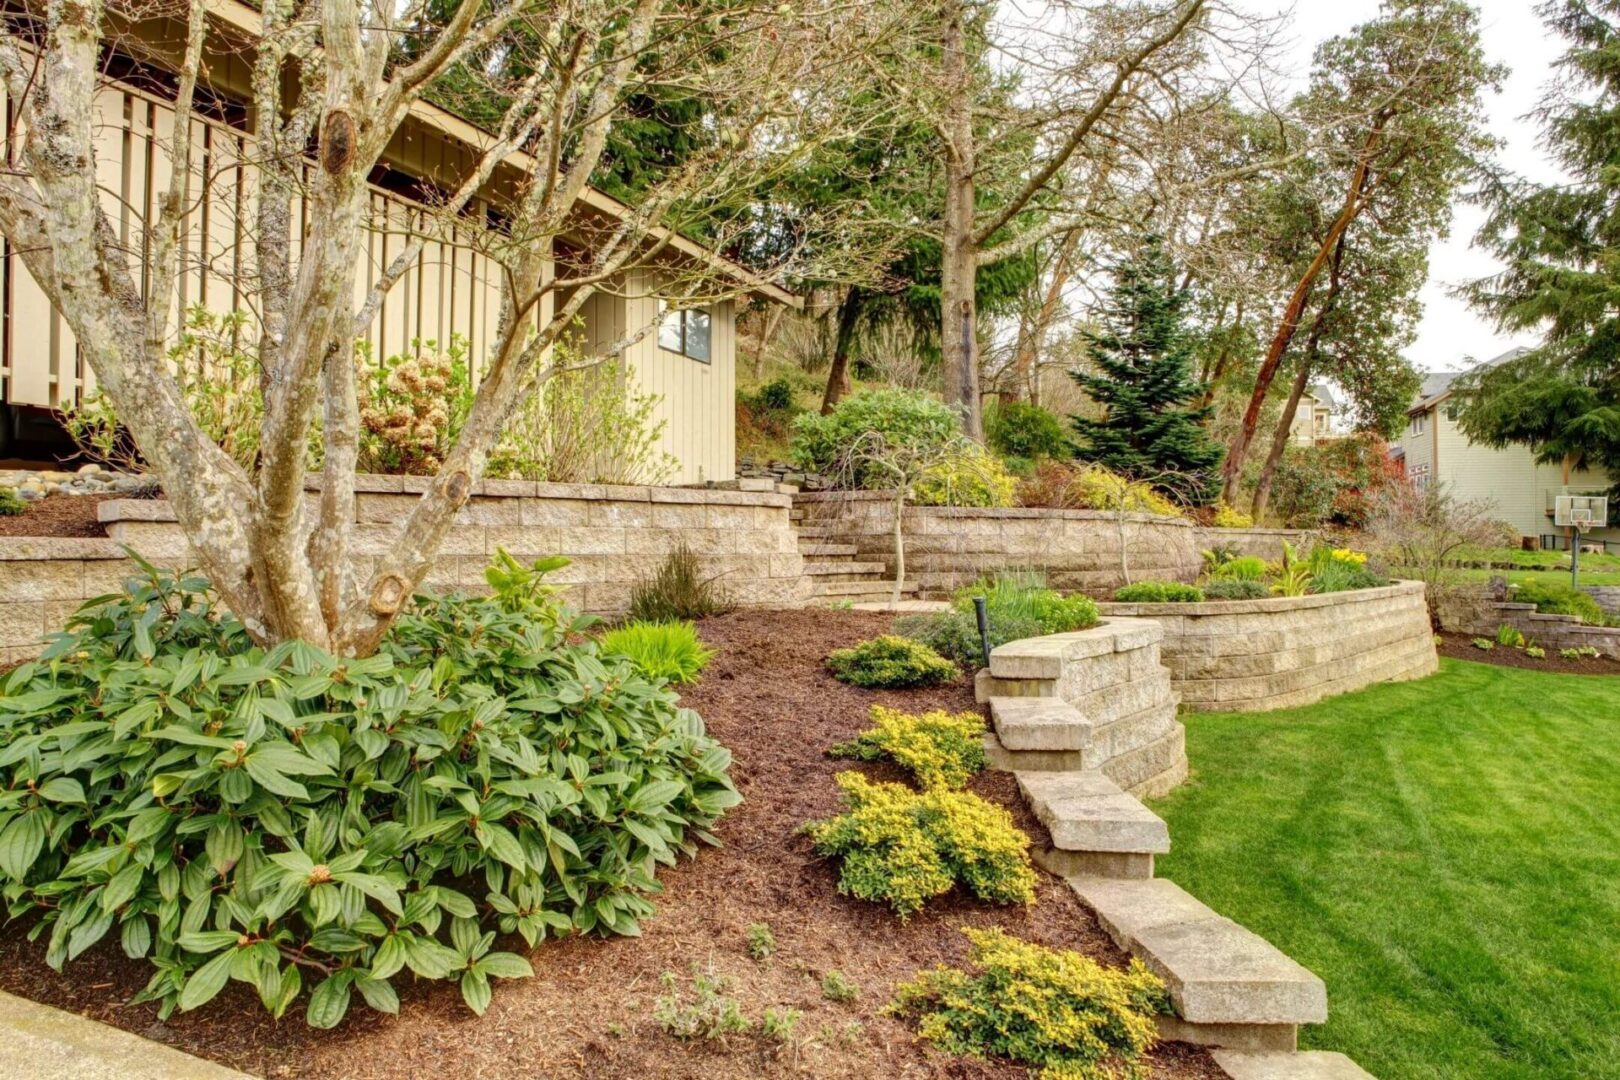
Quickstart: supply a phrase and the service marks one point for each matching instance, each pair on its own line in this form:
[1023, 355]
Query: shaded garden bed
[1462, 647]
[588, 1011]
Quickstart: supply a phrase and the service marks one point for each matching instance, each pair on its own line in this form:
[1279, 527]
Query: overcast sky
[1513, 35]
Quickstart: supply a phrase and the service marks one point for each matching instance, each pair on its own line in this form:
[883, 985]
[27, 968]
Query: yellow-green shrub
[1056, 1011]
[972, 477]
[901, 847]
[1227, 517]
[1090, 487]
[890, 662]
[938, 748]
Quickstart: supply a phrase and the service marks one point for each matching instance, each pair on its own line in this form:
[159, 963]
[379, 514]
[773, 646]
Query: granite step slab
[1217, 972]
[827, 568]
[860, 588]
[1039, 723]
[1302, 1065]
[826, 551]
[1086, 811]
[42, 1043]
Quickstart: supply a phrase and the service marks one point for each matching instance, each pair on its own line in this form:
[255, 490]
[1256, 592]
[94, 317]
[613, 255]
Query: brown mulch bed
[1462, 647]
[58, 515]
[588, 1011]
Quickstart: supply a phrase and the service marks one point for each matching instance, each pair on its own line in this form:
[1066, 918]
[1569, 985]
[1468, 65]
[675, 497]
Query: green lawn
[1558, 577]
[1444, 853]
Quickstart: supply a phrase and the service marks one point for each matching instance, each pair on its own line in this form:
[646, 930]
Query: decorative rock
[1310, 1065]
[89, 469]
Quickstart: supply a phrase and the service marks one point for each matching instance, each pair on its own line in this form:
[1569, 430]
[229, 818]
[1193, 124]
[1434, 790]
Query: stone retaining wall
[1255, 655]
[949, 547]
[1476, 614]
[1264, 543]
[614, 535]
[1607, 597]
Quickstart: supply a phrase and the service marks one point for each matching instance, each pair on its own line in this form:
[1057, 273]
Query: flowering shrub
[891, 662]
[276, 816]
[939, 749]
[1052, 1009]
[901, 847]
[411, 406]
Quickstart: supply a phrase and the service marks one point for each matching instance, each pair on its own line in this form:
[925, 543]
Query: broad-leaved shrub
[890, 662]
[296, 820]
[940, 749]
[902, 847]
[1056, 1011]
[903, 418]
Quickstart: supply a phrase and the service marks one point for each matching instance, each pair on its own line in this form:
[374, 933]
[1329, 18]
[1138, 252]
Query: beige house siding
[1518, 489]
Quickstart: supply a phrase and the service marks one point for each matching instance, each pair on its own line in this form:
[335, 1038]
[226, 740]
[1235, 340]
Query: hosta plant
[299, 821]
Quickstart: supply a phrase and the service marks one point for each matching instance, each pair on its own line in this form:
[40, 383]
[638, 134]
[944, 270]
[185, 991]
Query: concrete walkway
[38, 1042]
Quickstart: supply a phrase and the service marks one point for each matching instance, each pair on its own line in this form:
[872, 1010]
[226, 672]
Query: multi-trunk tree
[332, 83]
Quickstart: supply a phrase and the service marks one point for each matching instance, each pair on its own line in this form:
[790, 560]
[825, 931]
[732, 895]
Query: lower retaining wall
[1255, 655]
[1476, 613]
[614, 535]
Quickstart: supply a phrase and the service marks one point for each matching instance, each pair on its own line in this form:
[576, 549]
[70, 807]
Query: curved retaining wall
[949, 547]
[1254, 655]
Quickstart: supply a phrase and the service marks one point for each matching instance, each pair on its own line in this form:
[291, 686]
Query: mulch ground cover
[587, 1013]
[58, 515]
[1462, 647]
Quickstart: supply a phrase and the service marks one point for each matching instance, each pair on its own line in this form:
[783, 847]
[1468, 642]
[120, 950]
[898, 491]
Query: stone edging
[43, 1043]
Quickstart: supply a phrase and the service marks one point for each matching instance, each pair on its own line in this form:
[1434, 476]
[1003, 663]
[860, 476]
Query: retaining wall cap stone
[43, 1043]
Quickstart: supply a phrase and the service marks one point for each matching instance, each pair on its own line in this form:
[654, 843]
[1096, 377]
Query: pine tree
[1561, 247]
[1150, 428]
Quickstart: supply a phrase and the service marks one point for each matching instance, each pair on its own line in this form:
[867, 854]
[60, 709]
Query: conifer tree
[1150, 427]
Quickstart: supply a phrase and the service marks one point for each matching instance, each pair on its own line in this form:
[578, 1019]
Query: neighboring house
[453, 289]
[1432, 450]
[1314, 418]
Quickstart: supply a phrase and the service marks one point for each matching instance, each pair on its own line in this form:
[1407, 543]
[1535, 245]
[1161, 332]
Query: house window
[1419, 422]
[1420, 477]
[684, 331]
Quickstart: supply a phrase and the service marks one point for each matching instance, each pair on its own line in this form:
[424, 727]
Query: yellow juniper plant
[1056, 1011]
[902, 847]
[938, 748]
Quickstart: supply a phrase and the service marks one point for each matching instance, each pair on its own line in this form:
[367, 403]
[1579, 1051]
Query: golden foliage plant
[940, 749]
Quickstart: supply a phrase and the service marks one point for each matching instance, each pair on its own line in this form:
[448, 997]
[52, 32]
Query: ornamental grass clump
[954, 634]
[902, 847]
[678, 590]
[671, 651]
[299, 821]
[890, 662]
[939, 749]
[1058, 1012]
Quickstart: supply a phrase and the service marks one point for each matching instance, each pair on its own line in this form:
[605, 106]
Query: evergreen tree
[1150, 427]
[1561, 247]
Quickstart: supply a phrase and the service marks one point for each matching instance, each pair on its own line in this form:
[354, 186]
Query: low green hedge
[1159, 592]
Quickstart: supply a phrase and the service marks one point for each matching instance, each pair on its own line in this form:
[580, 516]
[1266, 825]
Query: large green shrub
[1158, 592]
[1052, 1009]
[1019, 429]
[890, 662]
[671, 651]
[1555, 599]
[904, 418]
[297, 820]
[902, 847]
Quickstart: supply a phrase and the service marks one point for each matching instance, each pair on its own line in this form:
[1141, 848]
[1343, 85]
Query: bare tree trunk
[1355, 201]
[959, 258]
[1026, 372]
[849, 314]
[899, 546]
[772, 318]
[1279, 439]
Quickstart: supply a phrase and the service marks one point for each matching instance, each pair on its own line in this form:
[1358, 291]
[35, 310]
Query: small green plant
[1582, 652]
[678, 590]
[778, 1023]
[1235, 590]
[901, 847]
[838, 987]
[1053, 1010]
[938, 748]
[1484, 644]
[707, 1012]
[1023, 595]
[1552, 598]
[670, 651]
[1158, 592]
[11, 504]
[890, 662]
[1535, 652]
[761, 942]
[1510, 636]
[1294, 579]
[1239, 568]
[954, 634]
[1228, 518]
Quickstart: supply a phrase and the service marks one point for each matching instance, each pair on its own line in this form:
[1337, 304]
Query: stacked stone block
[1475, 613]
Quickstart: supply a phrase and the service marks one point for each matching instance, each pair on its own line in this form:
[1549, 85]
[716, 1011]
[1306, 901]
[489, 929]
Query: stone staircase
[837, 575]
[1083, 720]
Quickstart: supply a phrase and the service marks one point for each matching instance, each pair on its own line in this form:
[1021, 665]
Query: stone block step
[1039, 723]
[863, 589]
[1217, 972]
[1300, 1065]
[814, 531]
[1096, 828]
[811, 550]
[827, 568]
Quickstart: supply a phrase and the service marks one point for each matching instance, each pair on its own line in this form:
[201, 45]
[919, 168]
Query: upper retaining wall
[614, 535]
[1254, 655]
[949, 547]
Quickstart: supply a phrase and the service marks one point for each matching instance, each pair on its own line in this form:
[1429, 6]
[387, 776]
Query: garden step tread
[819, 569]
[1039, 723]
[827, 550]
[1086, 811]
[1299, 1065]
[1216, 971]
[860, 588]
